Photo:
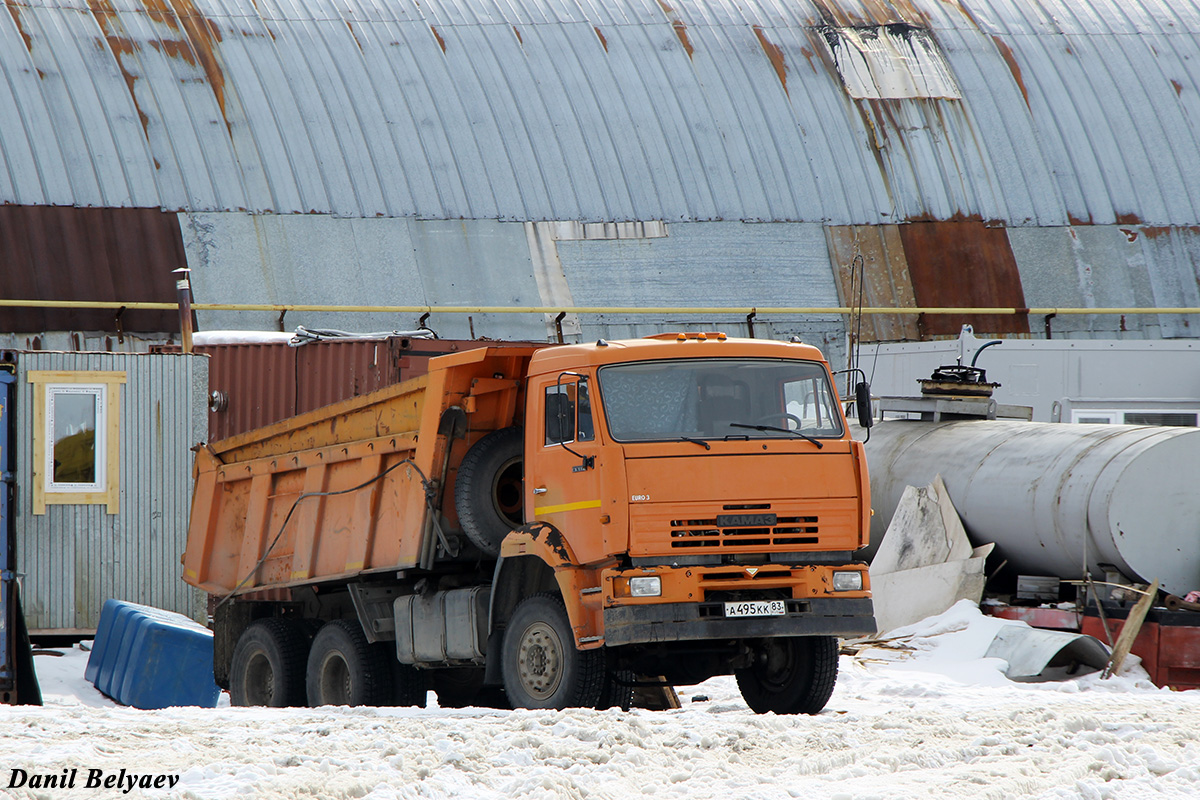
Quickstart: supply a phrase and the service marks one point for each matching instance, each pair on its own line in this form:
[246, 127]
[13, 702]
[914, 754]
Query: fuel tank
[1057, 499]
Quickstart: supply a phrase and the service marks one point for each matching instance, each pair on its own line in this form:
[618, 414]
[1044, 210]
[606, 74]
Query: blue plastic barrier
[149, 658]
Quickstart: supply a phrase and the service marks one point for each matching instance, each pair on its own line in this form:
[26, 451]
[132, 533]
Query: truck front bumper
[680, 622]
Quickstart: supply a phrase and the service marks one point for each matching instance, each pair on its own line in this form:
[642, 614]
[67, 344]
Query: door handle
[540, 490]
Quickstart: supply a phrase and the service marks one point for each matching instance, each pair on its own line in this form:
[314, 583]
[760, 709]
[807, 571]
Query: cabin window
[76, 438]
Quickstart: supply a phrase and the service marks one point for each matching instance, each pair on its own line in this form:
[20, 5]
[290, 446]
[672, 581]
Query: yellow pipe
[759, 310]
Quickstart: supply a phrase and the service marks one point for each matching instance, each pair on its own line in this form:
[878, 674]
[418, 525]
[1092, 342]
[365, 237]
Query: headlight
[645, 587]
[847, 581]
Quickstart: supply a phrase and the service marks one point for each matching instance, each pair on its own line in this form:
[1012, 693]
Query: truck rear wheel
[268, 664]
[488, 489]
[793, 675]
[344, 669]
[542, 668]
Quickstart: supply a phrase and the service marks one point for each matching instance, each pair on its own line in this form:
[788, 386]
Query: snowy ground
[938, 722]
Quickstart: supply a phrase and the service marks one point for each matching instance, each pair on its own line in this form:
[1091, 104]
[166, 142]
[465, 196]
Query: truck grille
[744, 526]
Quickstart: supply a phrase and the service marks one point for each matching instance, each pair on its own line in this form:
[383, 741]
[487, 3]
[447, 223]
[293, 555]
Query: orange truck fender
[537, 557]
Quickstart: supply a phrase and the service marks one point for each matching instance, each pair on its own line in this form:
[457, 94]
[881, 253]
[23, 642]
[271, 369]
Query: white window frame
[106, 388]
[99, 391]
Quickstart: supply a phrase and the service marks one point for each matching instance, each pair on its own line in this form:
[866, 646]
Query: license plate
[756, 608]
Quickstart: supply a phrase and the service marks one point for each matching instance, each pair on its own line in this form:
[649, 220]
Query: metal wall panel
[238, 258]
[963, 265]
[256, 384]
[74, 557]
[1141, 375]
[707, 265]
[609, 110]
[1108, 266]
[88, 254]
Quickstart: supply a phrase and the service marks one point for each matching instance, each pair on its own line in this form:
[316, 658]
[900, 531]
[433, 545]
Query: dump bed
[347, 488]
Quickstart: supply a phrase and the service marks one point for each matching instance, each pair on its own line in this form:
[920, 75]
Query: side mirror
[862, 403]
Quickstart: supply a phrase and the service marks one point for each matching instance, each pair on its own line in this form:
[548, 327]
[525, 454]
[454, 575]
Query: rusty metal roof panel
[1013, 111]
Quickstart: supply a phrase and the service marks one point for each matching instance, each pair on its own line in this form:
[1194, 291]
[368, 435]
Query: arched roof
[1021, 112]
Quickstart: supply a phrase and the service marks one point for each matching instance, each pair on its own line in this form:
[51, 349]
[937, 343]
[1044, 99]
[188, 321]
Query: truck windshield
[718, 398]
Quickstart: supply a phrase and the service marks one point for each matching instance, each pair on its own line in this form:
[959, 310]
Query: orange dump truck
[544, 527]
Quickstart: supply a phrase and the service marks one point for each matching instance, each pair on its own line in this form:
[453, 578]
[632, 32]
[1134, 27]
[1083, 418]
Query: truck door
[563, 463]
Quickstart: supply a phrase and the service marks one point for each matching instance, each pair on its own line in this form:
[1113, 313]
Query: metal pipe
[183, 293]
[730, 310]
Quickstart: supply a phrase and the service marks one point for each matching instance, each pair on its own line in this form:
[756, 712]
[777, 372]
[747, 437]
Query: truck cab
[700, 501]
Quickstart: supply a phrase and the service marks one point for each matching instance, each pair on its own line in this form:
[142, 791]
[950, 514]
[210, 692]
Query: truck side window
[560, 414]
[587, 431]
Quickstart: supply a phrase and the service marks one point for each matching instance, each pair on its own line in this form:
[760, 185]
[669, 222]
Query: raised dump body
[543, 527]
[367, 475]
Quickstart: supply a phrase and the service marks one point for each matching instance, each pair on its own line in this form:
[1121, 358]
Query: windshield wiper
[700, 442]
[803, 436]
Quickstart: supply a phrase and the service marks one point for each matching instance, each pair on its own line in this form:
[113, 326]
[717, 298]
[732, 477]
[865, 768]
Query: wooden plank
[1129, 632]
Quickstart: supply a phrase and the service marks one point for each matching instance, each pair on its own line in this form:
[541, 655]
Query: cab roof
[665, 346]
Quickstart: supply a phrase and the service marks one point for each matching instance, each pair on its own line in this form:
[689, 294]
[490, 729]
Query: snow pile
[937, 720]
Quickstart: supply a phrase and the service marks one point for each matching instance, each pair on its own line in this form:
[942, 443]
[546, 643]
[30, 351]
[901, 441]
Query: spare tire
[489, 492]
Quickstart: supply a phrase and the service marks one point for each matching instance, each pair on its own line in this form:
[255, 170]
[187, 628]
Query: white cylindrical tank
[1055, 497]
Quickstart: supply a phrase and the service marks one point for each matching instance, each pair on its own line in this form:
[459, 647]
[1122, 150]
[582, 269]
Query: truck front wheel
[344, 669]
[542, 668]
[268, 664]
[792, 675]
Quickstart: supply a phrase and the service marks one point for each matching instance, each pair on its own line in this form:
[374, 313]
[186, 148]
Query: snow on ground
[940, 721]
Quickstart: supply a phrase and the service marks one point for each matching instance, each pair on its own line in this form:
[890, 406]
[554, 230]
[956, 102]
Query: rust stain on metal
[809, 55]
[1128, 219]
[174, 48]
[678, 25]
[14, 11]
[964, 263]
[441, 42]
[1132, 235]
[353, 35]
[600, 36]
[1010, 58]
[775, 55]
[873, 14]
[520, 39]
[203, 36]
[161, 13]
[121, 47]
[871, 267]
[1178, 86]
[1074, 220]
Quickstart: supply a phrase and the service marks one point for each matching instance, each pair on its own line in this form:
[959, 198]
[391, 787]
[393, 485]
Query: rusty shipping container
[256, 384]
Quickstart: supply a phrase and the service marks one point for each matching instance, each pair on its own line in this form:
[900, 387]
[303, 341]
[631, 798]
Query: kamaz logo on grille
[746, 520]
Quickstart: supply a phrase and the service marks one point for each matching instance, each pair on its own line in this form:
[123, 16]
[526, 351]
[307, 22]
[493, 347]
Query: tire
[617, 690]
[790, 675]
[409, 685]
[344, 669]
[542, 668]
[488, 489]
[268, 664]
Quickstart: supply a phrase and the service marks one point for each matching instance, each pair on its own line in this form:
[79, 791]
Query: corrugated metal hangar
[977, 153]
